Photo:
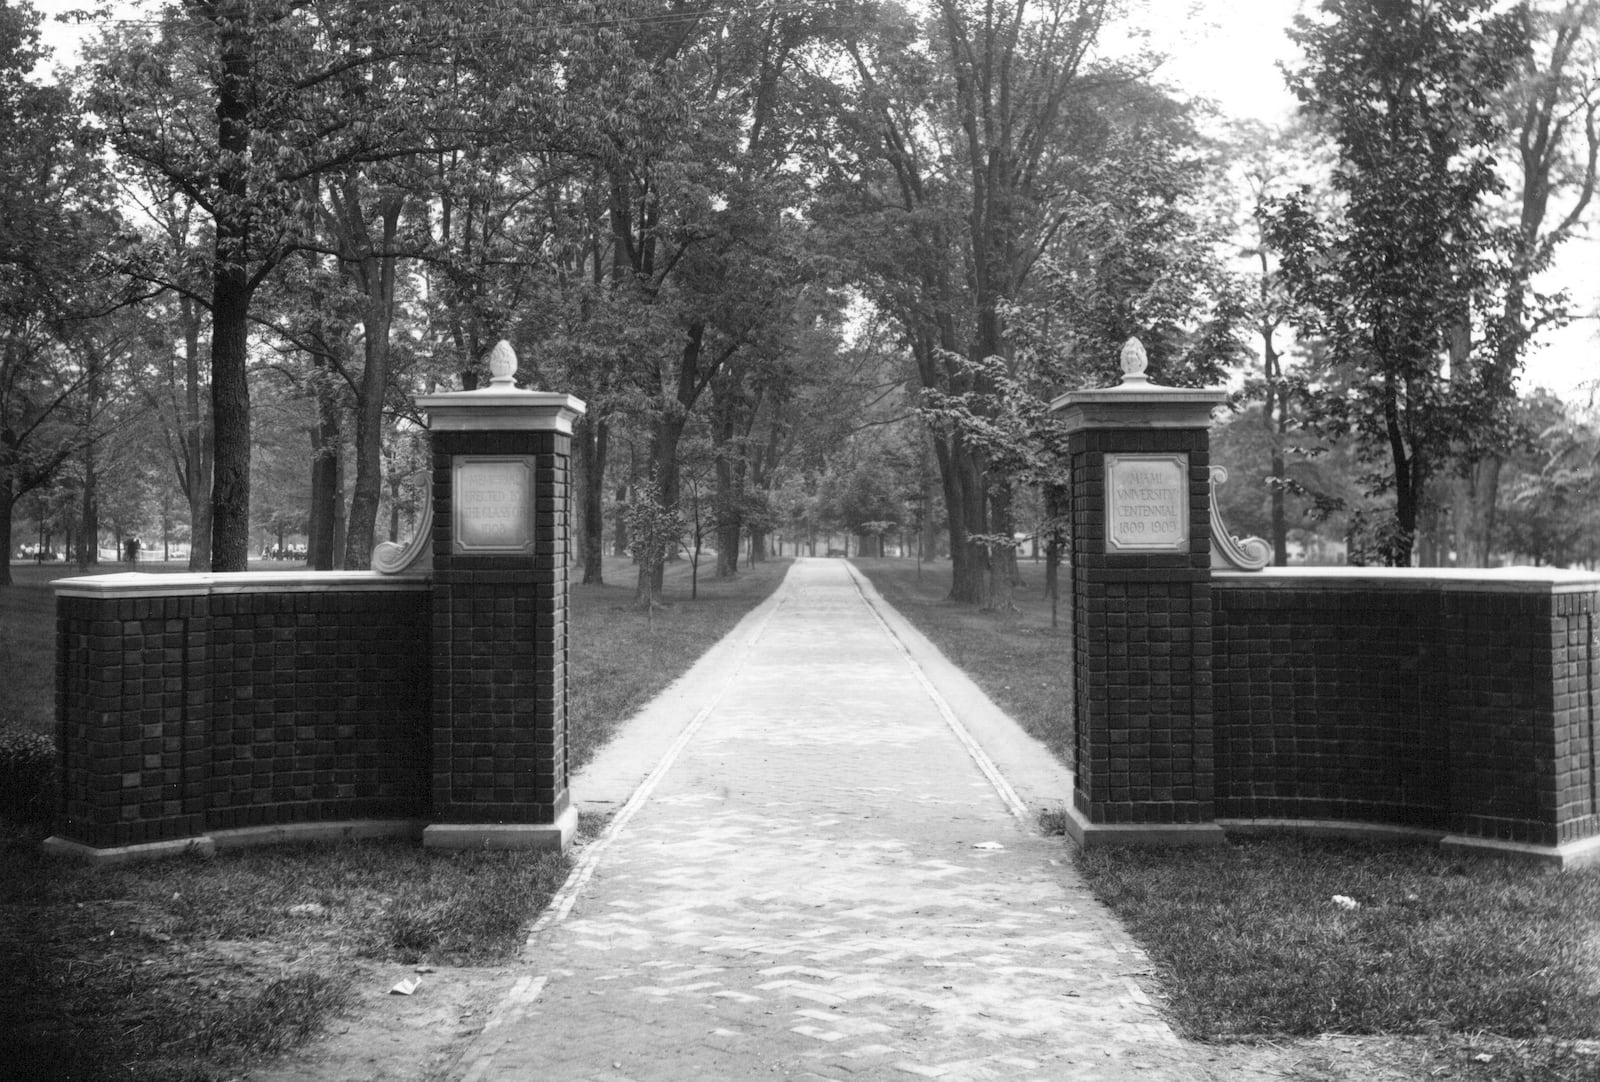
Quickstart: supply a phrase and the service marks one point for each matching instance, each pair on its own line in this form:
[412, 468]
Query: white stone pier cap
[1138, 403]
[502, 406]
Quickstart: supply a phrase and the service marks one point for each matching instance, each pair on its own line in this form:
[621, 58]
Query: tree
[671, 219]
[297, 92]
[1266, 164]
[54, 225]
[1551, 500]
[1409, 272]
[1284, 479]
[654, 531]
[177, 387]
[1554, 122]
[990, 166]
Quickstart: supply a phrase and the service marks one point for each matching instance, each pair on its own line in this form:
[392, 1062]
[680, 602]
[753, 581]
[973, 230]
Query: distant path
[819, 880]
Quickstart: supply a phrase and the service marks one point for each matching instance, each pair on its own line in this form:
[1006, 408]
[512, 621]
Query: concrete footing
[554, 836]
[1582, 853]
[206, 845]
[1089, 835]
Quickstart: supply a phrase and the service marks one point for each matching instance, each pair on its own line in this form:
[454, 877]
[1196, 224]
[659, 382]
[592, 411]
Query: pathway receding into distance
[823, 878]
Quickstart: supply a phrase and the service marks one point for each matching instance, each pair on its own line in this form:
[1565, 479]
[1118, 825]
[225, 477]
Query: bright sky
[1229, 50]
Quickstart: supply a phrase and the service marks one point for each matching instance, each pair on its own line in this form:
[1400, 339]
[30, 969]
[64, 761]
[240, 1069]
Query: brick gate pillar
[501, 538]
[1140, 620]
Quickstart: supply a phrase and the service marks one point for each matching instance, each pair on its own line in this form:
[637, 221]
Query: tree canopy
[814, 267]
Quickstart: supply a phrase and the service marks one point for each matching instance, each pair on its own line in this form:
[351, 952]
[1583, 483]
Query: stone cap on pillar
[1138, 403]
[502, 406]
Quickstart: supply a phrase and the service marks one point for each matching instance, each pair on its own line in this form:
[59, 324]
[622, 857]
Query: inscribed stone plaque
[1147, 503]
[493, 503]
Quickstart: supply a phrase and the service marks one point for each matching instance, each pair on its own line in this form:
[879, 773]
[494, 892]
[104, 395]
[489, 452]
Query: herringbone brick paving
[824, 885]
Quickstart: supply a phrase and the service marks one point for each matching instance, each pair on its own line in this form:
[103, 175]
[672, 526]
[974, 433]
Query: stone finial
[502, 365]
[1134, 362]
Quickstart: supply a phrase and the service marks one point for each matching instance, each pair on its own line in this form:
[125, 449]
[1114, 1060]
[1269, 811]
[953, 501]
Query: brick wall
[1459, 703]
[216, 702]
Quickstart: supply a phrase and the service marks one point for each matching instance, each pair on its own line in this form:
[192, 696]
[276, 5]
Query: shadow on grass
[189, 968]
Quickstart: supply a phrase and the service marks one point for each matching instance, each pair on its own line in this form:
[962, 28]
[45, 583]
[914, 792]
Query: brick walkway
[823, 878]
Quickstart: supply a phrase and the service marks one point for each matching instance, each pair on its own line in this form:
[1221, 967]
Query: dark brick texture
[222, 706]
[1141, 627]
[234, 708]
[1457, 707]
[500, 649]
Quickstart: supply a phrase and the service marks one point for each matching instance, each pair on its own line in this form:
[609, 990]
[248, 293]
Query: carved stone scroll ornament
[417, 554]
[1230, 553]
[390, 558]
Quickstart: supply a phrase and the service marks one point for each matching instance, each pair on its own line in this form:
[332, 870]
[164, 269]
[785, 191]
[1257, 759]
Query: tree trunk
[1275, 415]
[728, 459]
[230, 411]
[89, 515]
[1003, 524]
[1486, 475]
[619, 532]
[1397, 548]
[964, 501]
[327, 446]
[726, 503]
[8, 505]
[195, 441]
[367, 493]
[577, 483]
[960, 471]
[668, 430]
[230, 309]
[379, 285]
[340, 505]
[1475, 497]
[728, 541]
[592, 448]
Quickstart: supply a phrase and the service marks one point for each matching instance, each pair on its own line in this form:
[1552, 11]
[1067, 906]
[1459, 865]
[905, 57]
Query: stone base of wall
[1578, 854]
[1088, 835]
[208, 844]
[555, 835]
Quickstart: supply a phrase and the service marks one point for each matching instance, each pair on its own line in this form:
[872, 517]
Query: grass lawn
[1494, 967]
[185, 970]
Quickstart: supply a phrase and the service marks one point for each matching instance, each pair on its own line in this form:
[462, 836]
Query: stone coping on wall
[1509, 580]
[136, 584]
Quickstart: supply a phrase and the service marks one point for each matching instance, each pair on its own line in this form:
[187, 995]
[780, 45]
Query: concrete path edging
[1038, 779]
[608, 781]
